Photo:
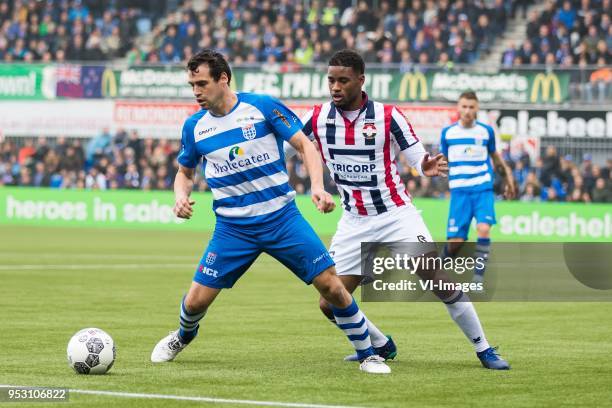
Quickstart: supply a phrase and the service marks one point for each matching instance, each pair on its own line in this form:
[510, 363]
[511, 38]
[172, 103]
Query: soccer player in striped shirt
[240, 138]
[359, 140]
[469, 146]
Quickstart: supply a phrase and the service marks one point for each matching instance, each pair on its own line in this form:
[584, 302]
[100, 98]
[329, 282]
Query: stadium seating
[250, 31]
[76, 30]
[126, 161]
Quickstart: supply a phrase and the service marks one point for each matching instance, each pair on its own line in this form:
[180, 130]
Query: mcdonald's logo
[546, 83]
[109, 84]
[410, 84]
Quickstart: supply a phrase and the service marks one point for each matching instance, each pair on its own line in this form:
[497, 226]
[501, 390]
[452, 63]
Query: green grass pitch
[266, 339]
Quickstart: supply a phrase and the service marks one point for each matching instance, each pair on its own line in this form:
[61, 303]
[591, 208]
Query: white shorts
[401, 224]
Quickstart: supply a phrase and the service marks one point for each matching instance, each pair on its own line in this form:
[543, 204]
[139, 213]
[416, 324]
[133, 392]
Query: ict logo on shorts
[208, 271]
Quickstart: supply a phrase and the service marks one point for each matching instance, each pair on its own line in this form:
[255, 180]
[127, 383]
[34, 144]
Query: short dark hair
[348, 58]
[216, 62]
[469, 95]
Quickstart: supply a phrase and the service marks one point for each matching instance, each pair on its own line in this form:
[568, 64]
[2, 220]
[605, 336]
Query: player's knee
[483, 230]
[194, 303]
[335, 291]
[330, 287]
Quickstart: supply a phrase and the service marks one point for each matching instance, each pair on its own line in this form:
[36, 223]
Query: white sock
[463, 313]
[376, 336]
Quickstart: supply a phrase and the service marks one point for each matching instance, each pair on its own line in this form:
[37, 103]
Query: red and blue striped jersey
[360, 154]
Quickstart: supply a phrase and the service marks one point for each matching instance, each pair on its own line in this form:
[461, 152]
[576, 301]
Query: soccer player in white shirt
[359, 140]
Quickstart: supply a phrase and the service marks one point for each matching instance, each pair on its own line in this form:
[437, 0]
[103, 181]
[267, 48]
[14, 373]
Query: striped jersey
[243, 158]
[360, 154]
[467, 151]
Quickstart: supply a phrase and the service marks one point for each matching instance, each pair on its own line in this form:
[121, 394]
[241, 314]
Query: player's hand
[434, 166]
[323, 200]
[509, 189]
[183, 208]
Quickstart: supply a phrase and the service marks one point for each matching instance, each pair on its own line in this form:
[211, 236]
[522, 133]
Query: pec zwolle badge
[249, 132]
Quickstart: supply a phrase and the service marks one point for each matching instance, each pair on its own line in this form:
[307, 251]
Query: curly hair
[348, 58]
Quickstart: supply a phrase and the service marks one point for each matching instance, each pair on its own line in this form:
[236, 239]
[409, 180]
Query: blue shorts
[464, 206]
[289, 239]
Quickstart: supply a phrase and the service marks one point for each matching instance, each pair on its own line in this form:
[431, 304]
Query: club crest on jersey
[249, 132]
[369, 131]
[210, 258]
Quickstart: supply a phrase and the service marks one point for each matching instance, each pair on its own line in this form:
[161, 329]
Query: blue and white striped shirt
[244, 162]
[467, 151]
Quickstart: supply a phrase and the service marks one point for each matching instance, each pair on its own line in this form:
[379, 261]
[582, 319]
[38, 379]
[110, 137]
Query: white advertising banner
[86, 118]
[70, 118]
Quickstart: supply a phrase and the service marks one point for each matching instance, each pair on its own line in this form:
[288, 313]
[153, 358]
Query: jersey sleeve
[402, 130]
[188, 157]
[491, 145]
[307, 120]
[443, 144]
[284, 122]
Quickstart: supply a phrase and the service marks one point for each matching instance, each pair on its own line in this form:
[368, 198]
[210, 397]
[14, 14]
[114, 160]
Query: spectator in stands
[26, 152]
[532, 180]
[519, 173]
[551, 166]
[602, 193]
[529, 194]
[95, 179]
[567, 15]
[98, 146]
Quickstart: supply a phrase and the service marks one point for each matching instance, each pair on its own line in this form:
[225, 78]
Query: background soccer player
[469, 146]
[359, 140]
[240, 136]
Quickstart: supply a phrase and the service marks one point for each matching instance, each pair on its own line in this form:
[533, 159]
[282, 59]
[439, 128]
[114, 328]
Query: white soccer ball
[91, 351]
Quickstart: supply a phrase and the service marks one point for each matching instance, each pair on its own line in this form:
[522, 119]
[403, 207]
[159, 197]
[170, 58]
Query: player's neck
[467, 125]
[226, 104]
[355, 105]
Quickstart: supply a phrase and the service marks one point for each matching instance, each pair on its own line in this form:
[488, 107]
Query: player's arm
[288, 150]
[426, 165]
[183, 185]
[306, 129]
[188, 160]
[322, 199]
[506, 173]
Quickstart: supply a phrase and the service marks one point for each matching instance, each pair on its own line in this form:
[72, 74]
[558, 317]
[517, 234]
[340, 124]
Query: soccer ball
[91, 351]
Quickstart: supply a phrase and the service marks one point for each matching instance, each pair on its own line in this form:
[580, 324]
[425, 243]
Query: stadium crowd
[574, 35]
[72, 30]
[126, 161]
[566, 33]
[249, 31]
[288, 32]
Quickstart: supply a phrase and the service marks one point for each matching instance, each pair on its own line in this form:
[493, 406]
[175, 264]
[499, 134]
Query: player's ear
[224, 78]
[362, 79]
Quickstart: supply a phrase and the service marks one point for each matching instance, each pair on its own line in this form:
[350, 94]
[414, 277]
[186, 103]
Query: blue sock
[189, 324]
[353, 323]
[483, 246]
